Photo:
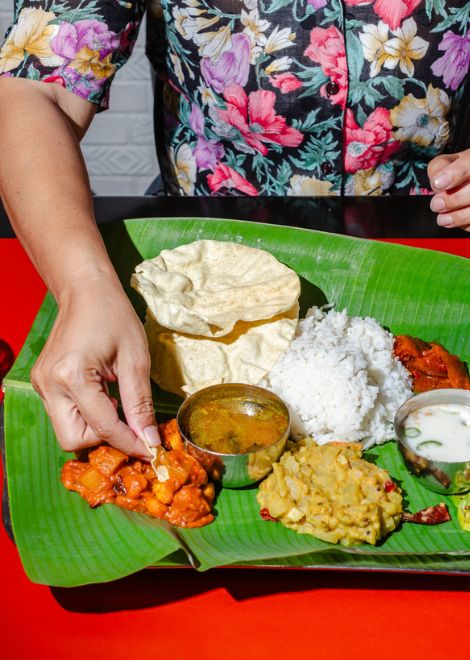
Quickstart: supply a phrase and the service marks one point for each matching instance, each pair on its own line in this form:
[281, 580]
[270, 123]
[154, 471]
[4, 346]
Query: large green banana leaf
[63, 542]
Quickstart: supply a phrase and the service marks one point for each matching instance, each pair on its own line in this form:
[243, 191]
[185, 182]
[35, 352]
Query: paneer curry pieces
[180, 494]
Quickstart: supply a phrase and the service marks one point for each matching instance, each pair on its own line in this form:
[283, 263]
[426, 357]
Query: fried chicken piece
[431, 366]
[406, 347]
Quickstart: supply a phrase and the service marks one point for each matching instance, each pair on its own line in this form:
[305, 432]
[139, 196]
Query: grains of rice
[340, 379]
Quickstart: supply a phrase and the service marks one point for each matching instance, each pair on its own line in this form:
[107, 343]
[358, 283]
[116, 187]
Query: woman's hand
[97, 339]
[449, 176]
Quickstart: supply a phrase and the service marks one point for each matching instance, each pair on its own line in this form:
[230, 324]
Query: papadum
[205, 287]
[217, 312]
[184, 364]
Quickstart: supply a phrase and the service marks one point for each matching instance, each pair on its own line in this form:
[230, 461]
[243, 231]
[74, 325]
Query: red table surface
[223, 613]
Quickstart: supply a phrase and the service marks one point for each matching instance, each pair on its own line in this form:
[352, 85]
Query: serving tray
[63, 542]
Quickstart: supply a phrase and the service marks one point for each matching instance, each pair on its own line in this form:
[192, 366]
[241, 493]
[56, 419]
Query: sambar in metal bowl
[235, 431]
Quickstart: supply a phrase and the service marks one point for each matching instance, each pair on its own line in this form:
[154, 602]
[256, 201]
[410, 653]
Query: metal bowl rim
[424, 396]
[262, 390]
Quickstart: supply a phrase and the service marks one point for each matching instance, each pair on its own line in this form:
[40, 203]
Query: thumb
[437, 165]
[137, 402]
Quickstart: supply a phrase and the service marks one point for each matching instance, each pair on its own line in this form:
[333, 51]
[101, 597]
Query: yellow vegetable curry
[330, 492]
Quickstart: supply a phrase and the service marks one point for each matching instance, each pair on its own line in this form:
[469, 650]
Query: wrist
[88, 281]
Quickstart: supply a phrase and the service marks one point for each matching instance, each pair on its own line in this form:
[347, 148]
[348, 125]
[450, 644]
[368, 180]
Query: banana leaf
[63, 542]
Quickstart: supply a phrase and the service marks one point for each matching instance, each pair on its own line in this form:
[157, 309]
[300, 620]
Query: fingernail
[437, 204]
[151, 436]
[442, 180]
[445, 220]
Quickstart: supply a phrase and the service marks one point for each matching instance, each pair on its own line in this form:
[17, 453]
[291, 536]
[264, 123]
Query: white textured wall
[119, 146]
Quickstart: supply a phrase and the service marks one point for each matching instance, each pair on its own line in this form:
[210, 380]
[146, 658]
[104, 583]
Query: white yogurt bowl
[433, 432]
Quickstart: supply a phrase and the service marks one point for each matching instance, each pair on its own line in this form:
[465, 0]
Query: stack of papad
[217, 312]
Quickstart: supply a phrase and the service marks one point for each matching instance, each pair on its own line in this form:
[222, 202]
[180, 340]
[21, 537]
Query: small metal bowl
[438, 476]
[243, 469]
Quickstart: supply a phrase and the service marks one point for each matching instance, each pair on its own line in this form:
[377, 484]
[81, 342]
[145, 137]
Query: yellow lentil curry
[235, 426]
[330, 492]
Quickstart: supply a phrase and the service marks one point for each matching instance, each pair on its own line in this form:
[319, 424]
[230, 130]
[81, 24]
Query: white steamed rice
[340, 379]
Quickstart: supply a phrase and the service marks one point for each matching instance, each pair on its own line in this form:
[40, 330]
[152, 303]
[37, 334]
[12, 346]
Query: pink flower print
[96, 36]
[316, 4]
[255, 118]
[369, 145]
[285, 82]
[92, 34]
[207, 152]
[327, 49]
[231, 68]
[454, 64]
[392, 12]
[65, 43]
[54, 79]
[421, 191]
[225, 177]
[196, 120]
[82, 87]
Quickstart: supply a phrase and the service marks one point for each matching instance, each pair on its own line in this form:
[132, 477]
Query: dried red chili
[265, 515]
[432, 515]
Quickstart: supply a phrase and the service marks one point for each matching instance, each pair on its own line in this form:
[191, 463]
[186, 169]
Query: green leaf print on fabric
[355, 57]
[459, 17]
[275, 5]
[394, 86]
[316, 152]
[365, 91]
[437, 6]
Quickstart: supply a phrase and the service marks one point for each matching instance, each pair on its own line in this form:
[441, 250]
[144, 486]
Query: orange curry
[431, 366]
[180, 494]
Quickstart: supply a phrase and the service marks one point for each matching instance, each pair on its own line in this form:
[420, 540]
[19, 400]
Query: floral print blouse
[269, 97]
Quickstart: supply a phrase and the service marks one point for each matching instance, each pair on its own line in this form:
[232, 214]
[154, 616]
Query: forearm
[44, 184]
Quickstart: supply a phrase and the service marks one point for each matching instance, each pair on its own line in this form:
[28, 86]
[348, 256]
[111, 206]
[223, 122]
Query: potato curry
[177, 490]
[330, 492]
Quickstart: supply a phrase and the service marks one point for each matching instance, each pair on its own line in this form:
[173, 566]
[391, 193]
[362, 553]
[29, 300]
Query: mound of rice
[340, 379]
